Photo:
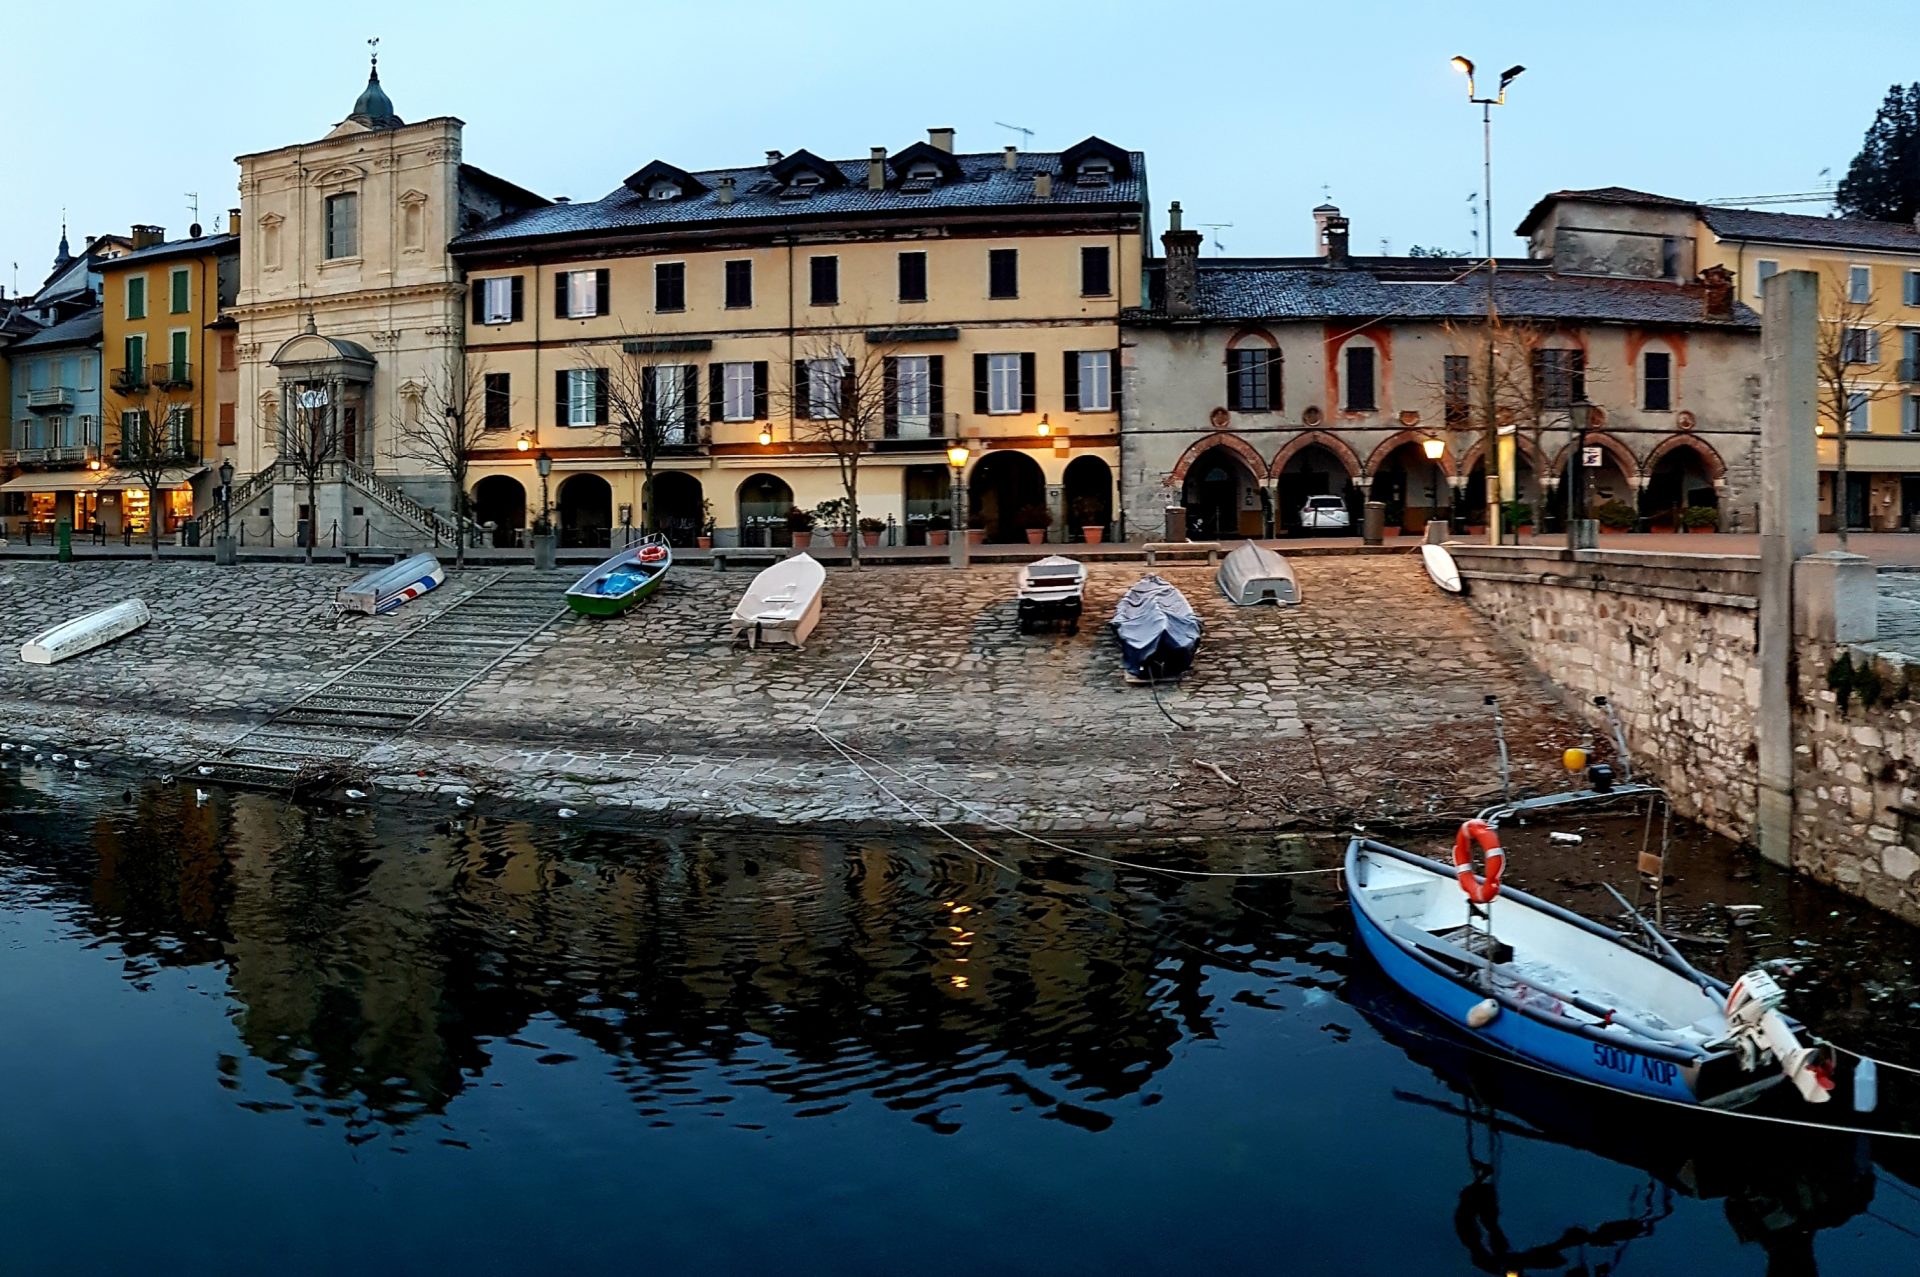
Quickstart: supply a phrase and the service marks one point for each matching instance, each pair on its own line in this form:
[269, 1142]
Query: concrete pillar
[1836, 598]
[1789, 335]
[1057, 511]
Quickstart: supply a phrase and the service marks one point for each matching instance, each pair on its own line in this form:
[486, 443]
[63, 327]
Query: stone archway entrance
[928, 495]
[586, 510]
[501, 500]
[678, 507]
[1004, 484]
[1088, 496]
[1222, 497]
[1679, 478]
[1306, 468]
[1413, 489]
[764, 501]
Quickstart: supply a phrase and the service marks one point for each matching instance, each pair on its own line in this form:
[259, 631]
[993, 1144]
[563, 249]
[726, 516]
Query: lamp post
[1464, 65]
[223, 554]
[1579, 420]
[1435, 447]
[544, 464]
[957, 457]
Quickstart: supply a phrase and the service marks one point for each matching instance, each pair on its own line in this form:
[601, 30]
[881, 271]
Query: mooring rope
[919, 815]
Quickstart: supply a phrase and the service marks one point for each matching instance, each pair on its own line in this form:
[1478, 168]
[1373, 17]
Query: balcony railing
[74, 441]
[53, 399]
[927, 431]
[175, 449]
[128, 380]
[171, 376]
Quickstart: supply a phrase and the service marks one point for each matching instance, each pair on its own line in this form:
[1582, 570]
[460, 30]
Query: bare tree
[1848, 346]
[310, 442]
[452, 423]
[155, 438]
[653, 401]
[839, 401]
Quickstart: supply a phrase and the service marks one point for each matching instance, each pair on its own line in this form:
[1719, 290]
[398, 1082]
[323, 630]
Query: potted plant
[1616, 516]
[870, 530]
[937, 529]
[800, 526]
[1086, 513]
[1700, 518]
[834, 515]
[1518, 515]
[976, 529]
[1035, 519]
[705, 539]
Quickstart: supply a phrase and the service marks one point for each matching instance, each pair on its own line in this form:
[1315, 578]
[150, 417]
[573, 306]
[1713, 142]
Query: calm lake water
[244, 1037]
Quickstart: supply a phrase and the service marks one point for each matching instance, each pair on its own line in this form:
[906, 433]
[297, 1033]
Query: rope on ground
[857, 666]
[919, 815]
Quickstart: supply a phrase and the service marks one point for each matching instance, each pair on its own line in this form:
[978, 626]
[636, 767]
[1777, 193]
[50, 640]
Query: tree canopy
[1883, 182]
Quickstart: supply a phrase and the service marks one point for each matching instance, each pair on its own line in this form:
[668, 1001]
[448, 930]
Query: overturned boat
[1158, 631]
[1254, 574]
[70, 638]
[385, 589]
[782, 605]
[1051, 591]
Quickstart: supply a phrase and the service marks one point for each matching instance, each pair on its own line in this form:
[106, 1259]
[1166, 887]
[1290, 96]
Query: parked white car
[1324, 514]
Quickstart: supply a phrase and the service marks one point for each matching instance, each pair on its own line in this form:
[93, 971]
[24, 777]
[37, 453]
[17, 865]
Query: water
[244, 1037]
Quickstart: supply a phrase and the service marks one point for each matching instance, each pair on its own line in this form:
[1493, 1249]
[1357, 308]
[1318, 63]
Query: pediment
[339, 175]
[413, 198]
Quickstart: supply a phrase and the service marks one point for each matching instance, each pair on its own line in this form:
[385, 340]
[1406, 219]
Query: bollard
[63, 536]
[224, 554]
[1373, 524]
[1176, 522]
[543, 555]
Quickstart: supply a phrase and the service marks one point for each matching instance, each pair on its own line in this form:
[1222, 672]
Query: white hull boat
[1441, 567]
[95, 629]
[385, 589]
[1052, 590]
[1254, 574]
[783, 603]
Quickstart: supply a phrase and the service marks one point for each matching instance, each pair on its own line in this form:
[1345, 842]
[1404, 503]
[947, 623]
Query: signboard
[1591, 458]
[313, 399]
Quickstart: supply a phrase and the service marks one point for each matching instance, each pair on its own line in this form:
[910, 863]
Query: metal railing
[172, 448]
[928, 429]
[128, 380]
[48, 441]
[172, 375]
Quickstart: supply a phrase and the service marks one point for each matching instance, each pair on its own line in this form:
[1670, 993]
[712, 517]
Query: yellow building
[735, 310]
[169, 360]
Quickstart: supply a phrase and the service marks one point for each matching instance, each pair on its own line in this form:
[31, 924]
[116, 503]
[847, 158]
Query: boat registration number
[1612, 1057]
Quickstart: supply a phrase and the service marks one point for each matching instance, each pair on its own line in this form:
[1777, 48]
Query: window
[1096, 273]
[136, 297]
[134, 376]
[737, 393]
[133, 432]
[1093, 381]
[177, 356]
[229, 431]
[670, 392]
[1911, 293]
[823, 277]
[912, 396]
[1910, 423]
[89, 370]
[1858, 406]
[1559, 377]
[343, 225]
[913, 277]
[739, 285]
[1860, 346]
[497, 394]
[1003, 272]
[1859, 283]
[1457, 388]
[583, 401]
[669, 286]
[228, 352]
[824, 382]
[582, 294]
[1252, 378]
[179, 291]
[1763, 270]
[499, 300]
[1360, 379]
[1003, 384]
[1910, 354]
[1656, 387]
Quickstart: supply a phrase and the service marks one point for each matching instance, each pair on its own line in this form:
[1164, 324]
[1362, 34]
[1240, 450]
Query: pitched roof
[1243, 289]
[984, 182]
[1799, 228]
[172, 248]
[83, 329]
[1598, 195]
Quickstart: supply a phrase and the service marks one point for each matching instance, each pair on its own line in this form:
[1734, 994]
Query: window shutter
[1028, 382]
[560, 398]
[937, 388]
[228, 432]
[716, 392]
[848, 391]
[1070, 379]
[890, 394]
[479, 301]
[1275, 399]
[560, 295]
[1233, 382]
[1873, 345]
[760, 390]
[690, 395]
[980, 400]
[602, 283]
[600, 396]
[802, 390]
[1113, 381]
[519, 292]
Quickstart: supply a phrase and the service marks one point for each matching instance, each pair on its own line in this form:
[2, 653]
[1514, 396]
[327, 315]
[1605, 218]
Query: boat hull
[783, 604]
[1441, 568]
[96, 629]
[390, 588]
[586, 598]
[612, 604]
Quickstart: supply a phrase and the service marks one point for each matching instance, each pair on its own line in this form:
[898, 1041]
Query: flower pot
[840, 539]
[1525, 530]
[705, 543]
[976, 536]
[870, 538]
[936, 536]
[1036, 535]
[1703, 529]
[1476, 529]
[1094, 535]
[802, 538]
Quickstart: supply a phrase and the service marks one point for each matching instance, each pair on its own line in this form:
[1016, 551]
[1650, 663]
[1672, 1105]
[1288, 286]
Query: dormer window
[663, 191]
[806, 181]
[921, 178]
[1095, 171]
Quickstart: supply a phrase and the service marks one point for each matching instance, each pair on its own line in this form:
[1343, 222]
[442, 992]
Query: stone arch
[1316, 439]
[1400, 439]
[1715, 467]
[1525, 446]
[1219, 439]
[1621, 454]
[501, 499]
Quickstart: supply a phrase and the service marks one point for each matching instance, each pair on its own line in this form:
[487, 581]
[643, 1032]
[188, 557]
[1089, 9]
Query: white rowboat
[1441, 567]
[783, 603]
[71, 638]
[1255, 574]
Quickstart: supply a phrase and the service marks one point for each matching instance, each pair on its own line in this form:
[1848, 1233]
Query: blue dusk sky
[1248, 113]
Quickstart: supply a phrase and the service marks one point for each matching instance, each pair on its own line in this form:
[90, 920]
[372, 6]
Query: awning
[95, 480]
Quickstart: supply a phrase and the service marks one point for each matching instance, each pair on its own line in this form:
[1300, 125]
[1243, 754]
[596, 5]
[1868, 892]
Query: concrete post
[1788, 510]
[1836, 598]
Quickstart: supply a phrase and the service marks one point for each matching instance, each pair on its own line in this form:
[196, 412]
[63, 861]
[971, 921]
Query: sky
[1250, 114]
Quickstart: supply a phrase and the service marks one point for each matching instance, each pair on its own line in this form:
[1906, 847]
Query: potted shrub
[705, 539]
[937, 529]
[800, 524]
[870, 530]
[976, 529]
[1616, 516]
[1035, 520]
[834, 515]
[1700, 518]
[1518, 515]
[1086, 513]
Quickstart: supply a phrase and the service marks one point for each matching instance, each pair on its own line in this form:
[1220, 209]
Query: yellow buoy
[1574, 759]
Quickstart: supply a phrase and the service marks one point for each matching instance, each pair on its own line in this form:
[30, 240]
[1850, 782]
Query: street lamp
[766, 436]
[1579, 421]
[226, 497]
[1045, 427]
[1464, 65]
[1435, 447]
[544, 464]
[957, 457]
[526, 442]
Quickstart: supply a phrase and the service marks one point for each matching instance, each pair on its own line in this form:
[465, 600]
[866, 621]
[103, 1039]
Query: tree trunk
[313, 513]
[459, 523]
[1840, 501]
[153, 519]
[649, 518]
[853, 513]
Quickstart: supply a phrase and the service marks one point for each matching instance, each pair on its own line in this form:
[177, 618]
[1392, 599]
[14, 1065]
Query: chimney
[1012, 158]
[1717, 292]
[233, 221]
[1334, 249]
[147, 236]
[1321, 216]
[726, 190]
[90, 240]
[1182, 269]
[1043, 186]
[877, 169]
[773, 158]
[941, 140]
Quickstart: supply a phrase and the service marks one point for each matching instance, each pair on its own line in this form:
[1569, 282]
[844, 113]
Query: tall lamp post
[1579, 420]
[544, 464]
[1435, 447]
[223, 547]
[1464, 65]
[957, 457]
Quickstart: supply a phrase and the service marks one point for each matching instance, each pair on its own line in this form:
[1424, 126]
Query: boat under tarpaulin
[385, 589]
[783, 603]
[1158, 631]
[1254, 574]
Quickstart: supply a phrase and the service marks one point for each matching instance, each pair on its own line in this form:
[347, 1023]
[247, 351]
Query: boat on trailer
[82, 634]
[1564, 993]
[611, 587]
[386, 589]
[1052, 591]
[782, 605]
[1254, 574]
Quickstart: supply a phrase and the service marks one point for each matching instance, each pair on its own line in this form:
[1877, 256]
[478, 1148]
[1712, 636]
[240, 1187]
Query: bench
[747, 556]
[365, 555]
[1155, 549]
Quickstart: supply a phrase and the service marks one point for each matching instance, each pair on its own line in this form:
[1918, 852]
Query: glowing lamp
[766, 436]
[525, 444]
[1463, 65]
[957, 456]
[1045, 427]
[1434, 448]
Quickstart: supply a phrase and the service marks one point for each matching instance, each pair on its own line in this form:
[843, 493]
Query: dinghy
[783, 603]
[612, 587]
[1158, 631]
[70, 638]
[1568, 995]
[385, 589]
[1441, 567]
[1254, 574]
[1052, 590]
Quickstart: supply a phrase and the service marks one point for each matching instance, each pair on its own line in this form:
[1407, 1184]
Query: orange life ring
[1478, 833]
[653, 554]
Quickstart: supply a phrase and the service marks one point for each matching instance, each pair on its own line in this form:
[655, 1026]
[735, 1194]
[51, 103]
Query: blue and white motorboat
[384, 589]
[1569, 995]
[1158, 631]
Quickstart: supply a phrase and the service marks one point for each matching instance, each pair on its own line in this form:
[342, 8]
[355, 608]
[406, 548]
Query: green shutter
[137, 297]
[179, 360]
[179, 299]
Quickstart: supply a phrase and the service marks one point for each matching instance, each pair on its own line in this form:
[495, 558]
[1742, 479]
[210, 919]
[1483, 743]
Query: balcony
[175, 449]
[929, 432]
[128, 381]
[171, 376]
[57, 399]
[52, 444]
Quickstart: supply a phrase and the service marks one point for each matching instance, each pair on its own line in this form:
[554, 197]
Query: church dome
[373, 107]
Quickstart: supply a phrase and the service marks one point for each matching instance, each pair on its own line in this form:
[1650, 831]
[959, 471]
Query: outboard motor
[1753, 1015]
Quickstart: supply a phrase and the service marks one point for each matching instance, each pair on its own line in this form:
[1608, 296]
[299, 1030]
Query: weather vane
[374, 44]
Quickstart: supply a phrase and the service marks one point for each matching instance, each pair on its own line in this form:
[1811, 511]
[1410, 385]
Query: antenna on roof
[193, 202]
[1026, 134]
[1218, 247]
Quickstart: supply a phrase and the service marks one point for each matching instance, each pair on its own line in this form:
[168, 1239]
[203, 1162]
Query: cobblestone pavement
[1366, 701]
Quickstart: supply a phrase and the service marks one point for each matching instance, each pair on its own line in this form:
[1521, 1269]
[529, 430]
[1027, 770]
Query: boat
[783, 603]
[1158, 631]
[1051, 591]
[1254, 574]
[1441, 567]
[386, 589]
[70, 638]
[1568, 995]
[611, 587]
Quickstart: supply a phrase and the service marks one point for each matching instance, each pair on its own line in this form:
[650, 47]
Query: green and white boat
[623, 580]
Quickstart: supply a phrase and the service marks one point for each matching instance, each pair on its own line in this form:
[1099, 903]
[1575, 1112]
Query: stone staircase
[427, 521]
[333, 726]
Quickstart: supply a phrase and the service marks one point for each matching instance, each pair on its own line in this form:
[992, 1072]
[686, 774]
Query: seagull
[356, 794]
[205, 771]
[566, 813]
[200, 797]
[59, 758]
[461, 800]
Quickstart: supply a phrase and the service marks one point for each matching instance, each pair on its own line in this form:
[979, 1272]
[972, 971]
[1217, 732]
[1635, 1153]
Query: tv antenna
[1218, 247]
[193, 203]
[1026, 134]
